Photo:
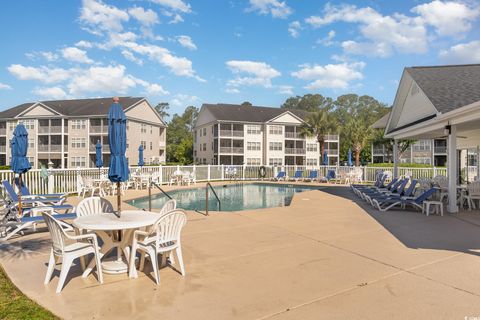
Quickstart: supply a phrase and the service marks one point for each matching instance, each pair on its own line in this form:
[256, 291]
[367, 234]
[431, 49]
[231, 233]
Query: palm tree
[358, 133]
[319, 124]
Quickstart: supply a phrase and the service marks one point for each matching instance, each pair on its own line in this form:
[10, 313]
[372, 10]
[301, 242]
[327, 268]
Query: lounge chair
[392, 184]
[313, 176]
[282, 175]
[26, 192]
[34, 200]
[387, 204]
[297, 176]
[398, 190]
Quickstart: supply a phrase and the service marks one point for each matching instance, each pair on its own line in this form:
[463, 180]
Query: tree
[319, 124]
[180, 136]
[246, 104]
[162, 108]
[309, 102]
[358, 132]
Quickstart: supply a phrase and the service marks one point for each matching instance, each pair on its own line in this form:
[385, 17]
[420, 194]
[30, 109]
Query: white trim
[35, 104]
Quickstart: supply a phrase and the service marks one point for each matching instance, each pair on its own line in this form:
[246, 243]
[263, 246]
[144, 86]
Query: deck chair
[387, 204]
[282, 175]
[33, 199]
[312, 176]
[26, 192]
[395, 192]
[297, 176]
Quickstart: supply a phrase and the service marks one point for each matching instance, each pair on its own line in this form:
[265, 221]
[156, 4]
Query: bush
[401, 165]
[4, 167]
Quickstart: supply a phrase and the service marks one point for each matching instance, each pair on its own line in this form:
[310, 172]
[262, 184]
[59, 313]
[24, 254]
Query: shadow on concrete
[454, 232]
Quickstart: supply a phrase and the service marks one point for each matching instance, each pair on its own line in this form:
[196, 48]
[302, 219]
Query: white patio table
[103, 223]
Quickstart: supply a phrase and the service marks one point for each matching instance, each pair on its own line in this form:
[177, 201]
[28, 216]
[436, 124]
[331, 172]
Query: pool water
[233, 197]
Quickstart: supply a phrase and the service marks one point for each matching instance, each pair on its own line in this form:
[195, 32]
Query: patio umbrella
[117, 139]
[98, 155]
[350, 162]
[141, 163]
[325, 158]
[20, 163]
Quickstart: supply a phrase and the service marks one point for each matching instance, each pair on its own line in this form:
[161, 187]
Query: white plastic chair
[62, 247]
[473, 194]
[94, 205]
[164, 238]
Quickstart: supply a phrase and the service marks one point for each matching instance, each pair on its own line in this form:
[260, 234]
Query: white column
[395, 159]
[478, 163]
[452, 170]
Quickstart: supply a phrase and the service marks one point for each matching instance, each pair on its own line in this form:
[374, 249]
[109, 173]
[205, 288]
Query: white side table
[437, 207]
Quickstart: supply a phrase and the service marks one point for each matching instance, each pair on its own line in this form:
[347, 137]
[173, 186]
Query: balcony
[105, 148]
[43, 129]
[42, 148]
[235, 150]
[294, 151]
[3, 131]
[333, 152]
[55, 148]
[440, 149]
[56, 129]
[95, 129]
[293, 135]
[3, 148]
[331, 137]
[230, 133]
[378, 151]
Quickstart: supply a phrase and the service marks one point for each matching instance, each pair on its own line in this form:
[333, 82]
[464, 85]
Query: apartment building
[244, 134]
[65, 132]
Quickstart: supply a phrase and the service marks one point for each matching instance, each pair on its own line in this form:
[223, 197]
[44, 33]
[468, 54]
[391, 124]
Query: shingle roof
[236, 112]
[381, 123]
[78, 107]
[449, 87]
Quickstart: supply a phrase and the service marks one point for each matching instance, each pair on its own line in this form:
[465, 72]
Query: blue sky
[191, 52]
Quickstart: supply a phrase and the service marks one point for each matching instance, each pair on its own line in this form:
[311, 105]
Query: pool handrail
[206, 198]
[150, 193]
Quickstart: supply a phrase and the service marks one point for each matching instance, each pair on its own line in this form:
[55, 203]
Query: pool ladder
[150, 193]
[206, 198]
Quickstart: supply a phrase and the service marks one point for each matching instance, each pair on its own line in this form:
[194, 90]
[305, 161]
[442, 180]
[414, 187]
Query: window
[79, 124]
[79, 142]
[144, 144]
[204, 131]
[312, 147]
[276, 130]
[31, 160]
[31, 143]
[275, 146]
[422, 145]
[195, 136]
[253, 145]
[253, 161]
[275, 161]
[204, 147]
[254, 129]
[128, 144]
[28, 123]
[422, 160]
[311, 162]
[151, 130]
[143, 128]
[212, 145]
[78, 162]
[151, 145]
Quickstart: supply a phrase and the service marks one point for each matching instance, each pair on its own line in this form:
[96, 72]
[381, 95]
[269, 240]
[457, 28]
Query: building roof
[77, 107]
[236, 112]
[448, 87]
[381, 123]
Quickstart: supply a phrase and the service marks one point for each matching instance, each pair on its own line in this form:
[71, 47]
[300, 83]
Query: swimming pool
[234, 197]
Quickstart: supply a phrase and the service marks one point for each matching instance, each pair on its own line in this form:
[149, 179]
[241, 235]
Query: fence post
[208, 173]
[223, 172]
[243, 171]
[51, 178]
[160, 174]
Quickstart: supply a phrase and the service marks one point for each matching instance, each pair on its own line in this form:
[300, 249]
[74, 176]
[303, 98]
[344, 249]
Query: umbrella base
[114, 266]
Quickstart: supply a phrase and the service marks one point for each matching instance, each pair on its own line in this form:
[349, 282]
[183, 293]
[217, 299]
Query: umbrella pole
[119, 200]
[19, 195]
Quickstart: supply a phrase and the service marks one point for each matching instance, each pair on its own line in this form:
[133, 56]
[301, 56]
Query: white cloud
[176, 19]
[184, 100]
[4, 86]
[186, 42]
[109, 79]
[447, 17]
[232, 90]
[152, 89]
[47, 55]
[147, 17]
[53, 93]
[287, 90]
[98, 15]
[131, 57]
[257, 73]
[332, 76]
[294, 28]
[42, 74]
[76, 55]
[84, 44]
[462, 53]
[278, 9]
[328, 40]
[176, 5]
[383, 34]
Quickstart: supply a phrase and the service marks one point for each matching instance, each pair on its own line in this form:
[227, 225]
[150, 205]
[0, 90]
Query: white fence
[65, 180]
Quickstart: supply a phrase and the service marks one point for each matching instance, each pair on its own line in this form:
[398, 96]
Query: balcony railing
[95, 129]
[440, 149]
[230, 133]
[3, 131]
[380, 151]
[42, 147]
[55, 148]
[56, 129]
[236, 150]
[332, 151]
[293, 135]
[3, 148]
[43, 129]
[294, 151]
[333, 137]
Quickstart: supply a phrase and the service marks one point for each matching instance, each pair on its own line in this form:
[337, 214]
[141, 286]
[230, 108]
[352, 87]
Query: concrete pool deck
[327, 256]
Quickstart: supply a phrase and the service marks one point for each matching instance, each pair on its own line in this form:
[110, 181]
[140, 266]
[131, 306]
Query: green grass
[15, 305]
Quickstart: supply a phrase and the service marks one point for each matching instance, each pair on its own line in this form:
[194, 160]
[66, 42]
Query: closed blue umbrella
[20, 163]
[141, 163]
[350, 162]
[325, 158]
[98, 155]
[117, 139]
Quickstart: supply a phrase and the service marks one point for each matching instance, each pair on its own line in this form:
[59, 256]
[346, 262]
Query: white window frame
[275, 130]
[254, 146]
[275, 146]
[254, 129]
[78, 124]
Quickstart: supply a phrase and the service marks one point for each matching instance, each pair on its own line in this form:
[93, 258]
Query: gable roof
[78, 107]
[381, 123]
[236, 112]
[448, 87]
